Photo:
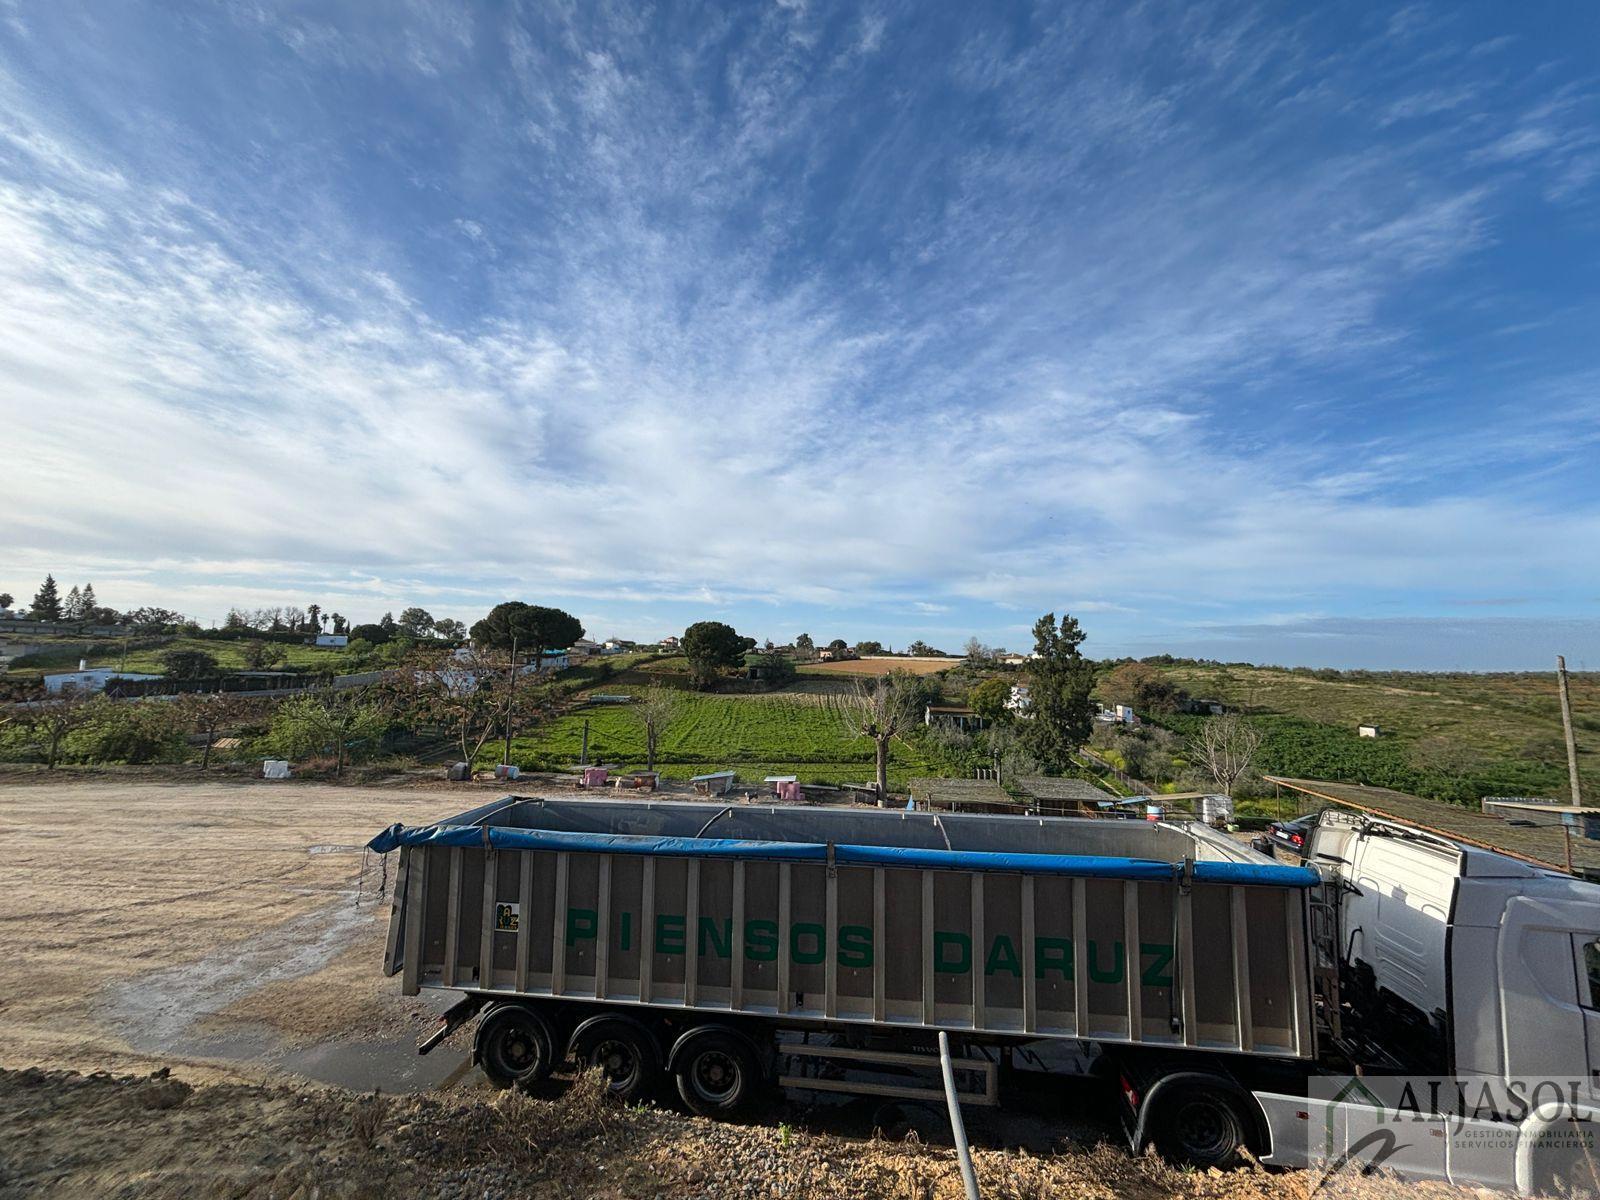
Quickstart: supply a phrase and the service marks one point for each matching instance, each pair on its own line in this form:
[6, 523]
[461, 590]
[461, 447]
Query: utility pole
[1566, 722]
[511, 700]
[583, 758]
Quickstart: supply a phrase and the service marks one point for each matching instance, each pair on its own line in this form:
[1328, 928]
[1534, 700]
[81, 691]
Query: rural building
[962, 795]
[1546, 843]
[1015, 660]
[88, 679]
[1203, 708]
[1021, 699]
[1540, 811]
[583, 647]
[333, 640]
[1371, 731]
[958, 716]
[1054, 796]
[668, 643]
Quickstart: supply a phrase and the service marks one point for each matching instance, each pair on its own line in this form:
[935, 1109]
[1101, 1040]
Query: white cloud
[672, 396]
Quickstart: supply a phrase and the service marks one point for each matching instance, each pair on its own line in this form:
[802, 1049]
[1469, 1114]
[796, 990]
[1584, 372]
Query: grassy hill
[1452, 735]
[145, 654]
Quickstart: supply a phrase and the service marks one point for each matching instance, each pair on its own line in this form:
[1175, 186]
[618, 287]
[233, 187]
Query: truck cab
[1457, 965]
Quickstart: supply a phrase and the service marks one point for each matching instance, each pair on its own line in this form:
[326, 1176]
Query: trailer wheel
[717, 1076]
[1200, 1126]
[623, 1051]
[513, 1046]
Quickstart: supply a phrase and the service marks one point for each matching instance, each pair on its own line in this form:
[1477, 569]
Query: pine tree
[72, 609]
[46, 602]
[89, 604]
[1060, 679]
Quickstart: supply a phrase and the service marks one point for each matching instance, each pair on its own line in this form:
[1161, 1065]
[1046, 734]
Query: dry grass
[881, 666]
[259, 1142]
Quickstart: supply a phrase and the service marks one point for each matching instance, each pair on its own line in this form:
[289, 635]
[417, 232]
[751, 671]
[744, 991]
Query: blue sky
[1258, 332]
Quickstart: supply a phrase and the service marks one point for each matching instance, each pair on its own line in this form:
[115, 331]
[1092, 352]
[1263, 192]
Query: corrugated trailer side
[1209, 955]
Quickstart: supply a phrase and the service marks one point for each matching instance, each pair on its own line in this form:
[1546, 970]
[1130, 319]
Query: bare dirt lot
[226, 932]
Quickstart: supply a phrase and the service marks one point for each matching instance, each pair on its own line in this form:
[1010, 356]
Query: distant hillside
[1454, 735]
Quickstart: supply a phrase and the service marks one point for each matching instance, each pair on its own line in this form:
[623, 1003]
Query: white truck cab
[1461, 965]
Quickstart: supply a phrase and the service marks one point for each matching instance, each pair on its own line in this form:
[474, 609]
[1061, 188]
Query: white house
[87, 678]
[1021, 699]
[335, 640]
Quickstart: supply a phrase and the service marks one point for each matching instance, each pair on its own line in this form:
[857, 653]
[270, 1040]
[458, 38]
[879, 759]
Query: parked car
[1292, 835]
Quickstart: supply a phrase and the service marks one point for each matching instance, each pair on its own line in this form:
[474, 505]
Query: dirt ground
[230, 932]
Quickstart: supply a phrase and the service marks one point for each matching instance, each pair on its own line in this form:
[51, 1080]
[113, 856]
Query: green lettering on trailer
[581, 923]
[819, 936]
[943, 962]
[1156, 973]
[718, 935]
[1002, 957]
[1052, 954]
[855, 946]
[1098, 974]
[761, 941]
[669, 934]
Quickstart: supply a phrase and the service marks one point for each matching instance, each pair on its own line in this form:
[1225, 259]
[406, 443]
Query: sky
[1257, 332]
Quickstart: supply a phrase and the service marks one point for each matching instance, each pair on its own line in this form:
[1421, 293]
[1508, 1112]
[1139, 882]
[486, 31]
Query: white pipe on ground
[958, 1129]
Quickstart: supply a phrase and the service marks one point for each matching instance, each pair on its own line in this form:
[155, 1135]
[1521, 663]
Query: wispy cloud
[779, 312]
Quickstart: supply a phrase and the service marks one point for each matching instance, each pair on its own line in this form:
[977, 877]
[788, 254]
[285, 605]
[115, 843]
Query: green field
[785, 733]
[1490, 734]
[145, 654]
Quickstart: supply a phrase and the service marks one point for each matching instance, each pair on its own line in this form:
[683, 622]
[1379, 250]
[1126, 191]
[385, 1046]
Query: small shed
[336, 641]
[958, 716]
[1053, 796]
[716, 783]
[1369, 731]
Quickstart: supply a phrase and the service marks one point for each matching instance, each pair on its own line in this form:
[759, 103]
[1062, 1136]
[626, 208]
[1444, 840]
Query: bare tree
[209, 714]
[881, 709]
[57, 717]
[655, 709]
[473, 693]
[1224, 748]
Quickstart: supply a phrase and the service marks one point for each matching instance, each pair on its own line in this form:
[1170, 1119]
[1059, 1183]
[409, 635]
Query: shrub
[127, 732]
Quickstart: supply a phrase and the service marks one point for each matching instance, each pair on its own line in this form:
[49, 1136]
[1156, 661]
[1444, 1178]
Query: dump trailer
[732, 948]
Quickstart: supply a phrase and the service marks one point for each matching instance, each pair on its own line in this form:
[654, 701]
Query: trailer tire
[623, 1050]
[717, 1075]
[1200, 1126]
[514, 1045]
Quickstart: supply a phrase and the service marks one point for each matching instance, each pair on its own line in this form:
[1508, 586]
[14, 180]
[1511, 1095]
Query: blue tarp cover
[1083, 865]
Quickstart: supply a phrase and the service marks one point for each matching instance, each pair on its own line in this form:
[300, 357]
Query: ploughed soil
[192, 1004]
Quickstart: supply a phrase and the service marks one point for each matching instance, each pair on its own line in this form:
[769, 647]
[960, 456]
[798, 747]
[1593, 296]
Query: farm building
[1055, 796]
[1368, 731]
[957, 716]
[1582, 819]
[88, 679]
[335, 641]
[1547, 843]
[963, 795]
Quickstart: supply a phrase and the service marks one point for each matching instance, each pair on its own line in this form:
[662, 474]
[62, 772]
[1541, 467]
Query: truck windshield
[1591, 971]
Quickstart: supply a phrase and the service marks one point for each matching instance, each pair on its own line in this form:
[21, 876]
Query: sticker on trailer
[506, 917]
